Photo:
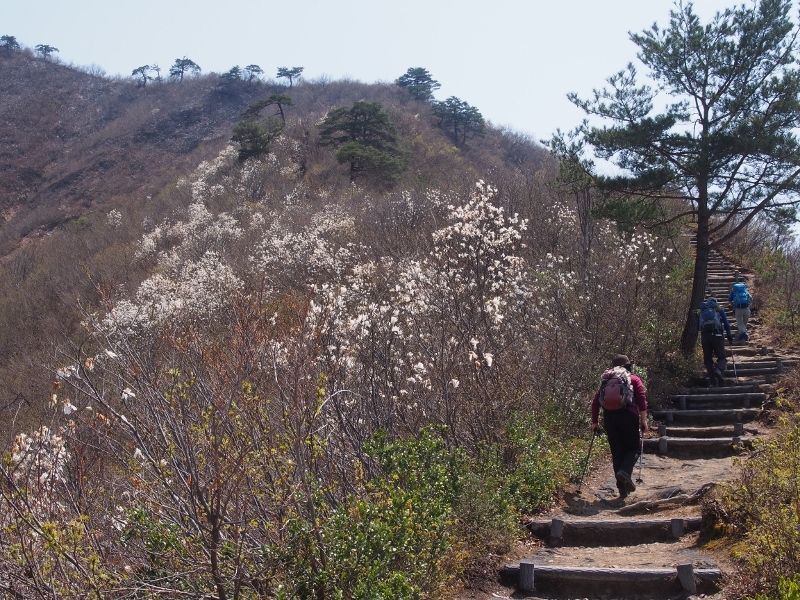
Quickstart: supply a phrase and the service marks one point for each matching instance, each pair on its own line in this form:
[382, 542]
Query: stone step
[748, 350]
[730, 393]
[719, 400]
[596, 582]
[739, 388]
[764, 361]
[716, 404]
[745, 371]
[707, 416]
[612, 532]
[696, 447]
[748, 365]
[741, 350]
[714, 431]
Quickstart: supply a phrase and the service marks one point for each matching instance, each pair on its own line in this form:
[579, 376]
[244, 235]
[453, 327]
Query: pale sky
[514, 60]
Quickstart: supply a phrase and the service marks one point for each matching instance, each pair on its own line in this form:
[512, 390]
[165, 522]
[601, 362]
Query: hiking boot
[720, 379]
[626, 481]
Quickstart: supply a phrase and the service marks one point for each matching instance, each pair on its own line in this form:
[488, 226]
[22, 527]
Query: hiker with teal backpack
[712, 323]
[741, 299]
[624, 402]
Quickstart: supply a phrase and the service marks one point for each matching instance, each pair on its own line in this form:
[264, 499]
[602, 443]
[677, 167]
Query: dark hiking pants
[713, 345]
[622, 427]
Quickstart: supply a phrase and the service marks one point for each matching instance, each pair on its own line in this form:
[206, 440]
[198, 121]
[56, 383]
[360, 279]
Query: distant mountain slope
[76, 148]
[70, 141]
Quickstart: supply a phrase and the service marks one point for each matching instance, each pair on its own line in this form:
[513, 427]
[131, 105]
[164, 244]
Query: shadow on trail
[577, 504]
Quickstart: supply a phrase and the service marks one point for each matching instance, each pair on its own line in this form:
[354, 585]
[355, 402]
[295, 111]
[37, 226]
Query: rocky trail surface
[596, 546]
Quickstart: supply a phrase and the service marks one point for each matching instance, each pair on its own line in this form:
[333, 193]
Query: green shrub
[402, 534]
[760, 511]
[545, 461]
[507, 480]
[788, 589]
[391, 539]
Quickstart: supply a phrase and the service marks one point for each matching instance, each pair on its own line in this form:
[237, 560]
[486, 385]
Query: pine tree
[727, 145]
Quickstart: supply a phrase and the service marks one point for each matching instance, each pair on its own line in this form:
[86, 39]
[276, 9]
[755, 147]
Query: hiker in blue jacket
[740, 299]
[712, 323]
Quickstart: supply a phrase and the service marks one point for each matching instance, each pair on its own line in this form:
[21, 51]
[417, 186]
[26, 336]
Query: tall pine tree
[727, 144]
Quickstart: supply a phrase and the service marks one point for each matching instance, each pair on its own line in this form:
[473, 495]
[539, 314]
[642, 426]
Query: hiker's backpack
[741, 297]
[616, 390]
[710, 320]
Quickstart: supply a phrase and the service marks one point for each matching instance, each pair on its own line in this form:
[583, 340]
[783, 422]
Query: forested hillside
[327, 340]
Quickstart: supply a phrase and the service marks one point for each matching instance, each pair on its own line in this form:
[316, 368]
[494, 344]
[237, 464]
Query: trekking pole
[586, 462]
[641, 452]
[733, 360]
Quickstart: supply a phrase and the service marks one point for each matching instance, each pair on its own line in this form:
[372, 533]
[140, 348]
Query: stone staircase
[647, 547]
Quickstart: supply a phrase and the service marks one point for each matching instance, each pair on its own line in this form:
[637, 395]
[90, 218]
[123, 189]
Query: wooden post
[556, 531]
[686, 577]
[662, 430]
[682, 402]
[676, 527]
[779, 365]
[662, 445]
[525, 576]
[738, 429]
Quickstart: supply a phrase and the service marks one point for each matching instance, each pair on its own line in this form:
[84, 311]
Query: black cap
[620, 360]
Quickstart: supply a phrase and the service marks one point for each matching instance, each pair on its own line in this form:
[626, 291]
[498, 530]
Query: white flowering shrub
[424, 340]
[292, 255]
[194, 290]
[36, 467]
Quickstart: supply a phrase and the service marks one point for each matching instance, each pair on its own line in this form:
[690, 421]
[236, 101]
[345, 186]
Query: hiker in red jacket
[624, 402]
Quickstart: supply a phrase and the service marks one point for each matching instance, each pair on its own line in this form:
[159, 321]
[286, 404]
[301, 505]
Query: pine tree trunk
[702, 249]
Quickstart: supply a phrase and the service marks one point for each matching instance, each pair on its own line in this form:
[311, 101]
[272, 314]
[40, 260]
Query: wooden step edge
[697, 447]
[684, 442]
[611, 532]
[609, 574]
[619, 523]
[741, 388]
[707, 412]
[721, 396]
[713, 431]
[654, 582]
